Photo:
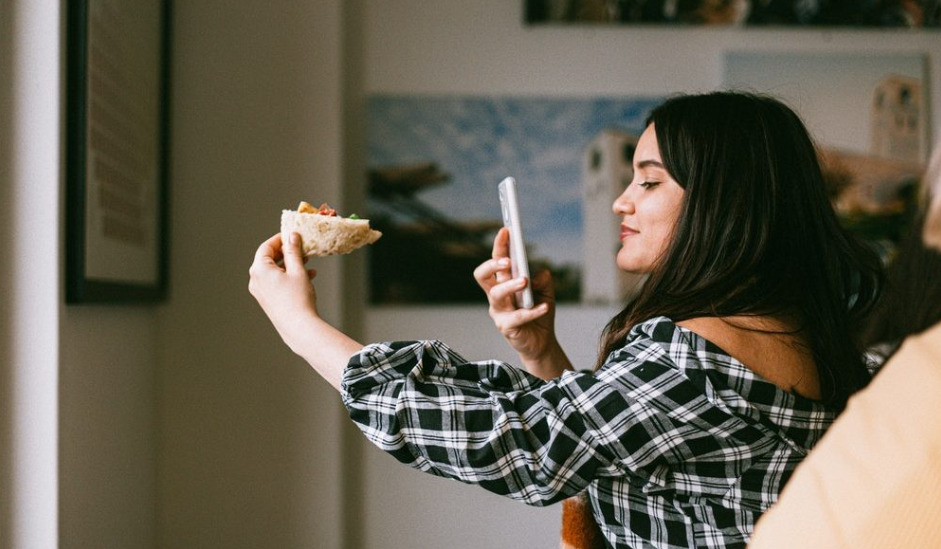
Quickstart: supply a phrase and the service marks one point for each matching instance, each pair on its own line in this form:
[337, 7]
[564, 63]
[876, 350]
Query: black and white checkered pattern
[678, 444]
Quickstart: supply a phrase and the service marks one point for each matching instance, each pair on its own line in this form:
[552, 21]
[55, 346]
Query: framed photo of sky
[434, 163]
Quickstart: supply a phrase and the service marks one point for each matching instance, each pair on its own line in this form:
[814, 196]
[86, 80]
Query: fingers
[272, 251]
[501, 252]
[504, 291]
[269, 251]
[491, 271]
[501, 244]
[496, 269]
[494, 278]
[508, 321]
[293, 256]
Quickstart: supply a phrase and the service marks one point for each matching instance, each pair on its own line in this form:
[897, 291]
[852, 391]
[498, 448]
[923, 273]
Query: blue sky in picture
[479, 140]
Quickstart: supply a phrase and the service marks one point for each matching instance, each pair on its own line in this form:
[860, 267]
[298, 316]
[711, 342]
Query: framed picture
[116, 151]
[868, 115]
[434, 162]
[738, 13]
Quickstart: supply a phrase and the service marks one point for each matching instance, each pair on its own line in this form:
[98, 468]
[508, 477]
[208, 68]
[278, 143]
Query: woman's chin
[633, 266]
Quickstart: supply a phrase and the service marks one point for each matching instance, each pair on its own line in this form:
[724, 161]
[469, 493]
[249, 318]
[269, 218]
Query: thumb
[293, 257]
[544, 284]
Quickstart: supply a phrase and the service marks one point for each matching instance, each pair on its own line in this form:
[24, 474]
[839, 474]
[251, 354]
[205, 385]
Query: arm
[287, 296]
[495, 425]
[486, 423]
[531, 332]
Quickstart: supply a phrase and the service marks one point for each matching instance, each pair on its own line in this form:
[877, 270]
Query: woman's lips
[627, 231]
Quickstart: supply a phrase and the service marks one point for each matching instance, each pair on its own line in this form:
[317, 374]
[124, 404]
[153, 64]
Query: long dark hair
[911, 299]
[757, 234]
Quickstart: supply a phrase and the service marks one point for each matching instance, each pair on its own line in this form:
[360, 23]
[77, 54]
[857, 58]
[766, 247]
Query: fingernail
[294, 238]
[504, 262]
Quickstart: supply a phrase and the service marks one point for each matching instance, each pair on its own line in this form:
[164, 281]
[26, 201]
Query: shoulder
[660, 348]
[662, 339]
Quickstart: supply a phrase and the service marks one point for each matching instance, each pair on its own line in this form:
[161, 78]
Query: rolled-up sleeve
[494, 425]
[485, 423]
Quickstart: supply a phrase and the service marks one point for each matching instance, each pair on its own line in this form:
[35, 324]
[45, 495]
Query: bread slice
[323, 235]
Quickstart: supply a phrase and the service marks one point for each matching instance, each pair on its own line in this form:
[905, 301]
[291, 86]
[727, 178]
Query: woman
[710, 386]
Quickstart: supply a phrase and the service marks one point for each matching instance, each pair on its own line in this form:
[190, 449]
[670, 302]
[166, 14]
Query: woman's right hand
[531, 332]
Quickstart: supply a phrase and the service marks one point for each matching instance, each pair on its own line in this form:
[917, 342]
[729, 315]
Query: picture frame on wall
[868, 113]
[737, 13]
[116, 206]
[433, 166]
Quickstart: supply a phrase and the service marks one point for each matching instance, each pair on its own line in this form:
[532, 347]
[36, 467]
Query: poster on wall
[434, 163]
[738, 13]
[116, 151]
[869, 116]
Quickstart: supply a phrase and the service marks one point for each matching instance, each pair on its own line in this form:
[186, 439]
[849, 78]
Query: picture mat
[123, 122]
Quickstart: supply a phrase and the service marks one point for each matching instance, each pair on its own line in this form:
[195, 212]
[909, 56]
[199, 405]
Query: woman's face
[649, 208]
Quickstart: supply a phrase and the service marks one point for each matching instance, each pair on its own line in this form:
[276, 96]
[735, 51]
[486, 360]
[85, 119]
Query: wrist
[550, 363]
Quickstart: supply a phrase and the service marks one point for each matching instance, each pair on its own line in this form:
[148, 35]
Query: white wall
[6, 275]
[76, 394]
[29, 307]
[249, 437]
[457, 47]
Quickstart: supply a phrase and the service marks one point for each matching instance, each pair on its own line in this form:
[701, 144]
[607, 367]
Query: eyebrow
[649, 164]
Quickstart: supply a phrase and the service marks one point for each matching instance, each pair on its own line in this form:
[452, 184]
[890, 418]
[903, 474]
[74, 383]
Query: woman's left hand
[281, 284]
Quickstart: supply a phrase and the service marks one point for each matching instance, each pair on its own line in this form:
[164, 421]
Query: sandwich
[324, 232]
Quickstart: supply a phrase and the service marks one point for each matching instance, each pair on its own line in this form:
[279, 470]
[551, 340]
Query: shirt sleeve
[495, 425]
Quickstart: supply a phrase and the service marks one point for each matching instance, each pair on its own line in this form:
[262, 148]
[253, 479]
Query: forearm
[324, 347]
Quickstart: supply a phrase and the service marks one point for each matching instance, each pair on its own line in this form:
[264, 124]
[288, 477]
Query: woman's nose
[623, 204]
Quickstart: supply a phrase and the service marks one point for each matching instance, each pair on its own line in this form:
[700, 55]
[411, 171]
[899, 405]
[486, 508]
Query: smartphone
[519, 265]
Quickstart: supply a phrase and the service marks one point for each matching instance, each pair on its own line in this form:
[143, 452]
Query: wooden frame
[116, 151]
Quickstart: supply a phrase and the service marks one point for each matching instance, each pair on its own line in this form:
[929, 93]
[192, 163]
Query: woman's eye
[649, 184]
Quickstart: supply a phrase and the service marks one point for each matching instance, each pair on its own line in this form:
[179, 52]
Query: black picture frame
[117, 150]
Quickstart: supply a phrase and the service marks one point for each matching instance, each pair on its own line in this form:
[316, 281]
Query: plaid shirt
[677, 443]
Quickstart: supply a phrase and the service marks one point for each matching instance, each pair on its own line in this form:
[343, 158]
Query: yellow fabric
[874, 480]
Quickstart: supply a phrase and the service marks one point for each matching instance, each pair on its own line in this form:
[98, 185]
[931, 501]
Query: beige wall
[107, 427]
[106, 411]
[249, 438]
